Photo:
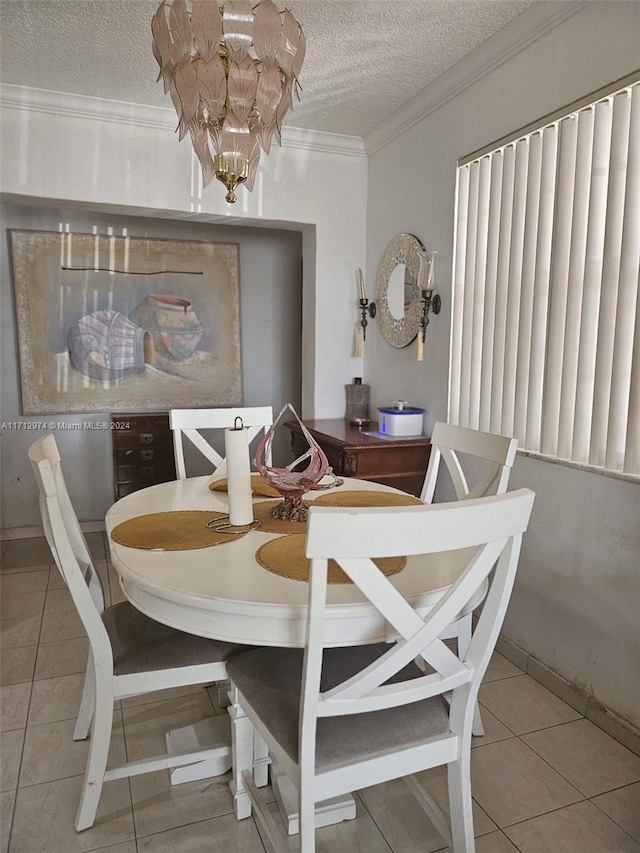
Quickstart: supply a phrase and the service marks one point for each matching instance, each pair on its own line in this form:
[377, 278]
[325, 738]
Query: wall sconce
[430, 302]
[366, 307]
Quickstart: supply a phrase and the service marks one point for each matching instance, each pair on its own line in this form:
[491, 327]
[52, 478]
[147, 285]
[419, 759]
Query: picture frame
[111, 323]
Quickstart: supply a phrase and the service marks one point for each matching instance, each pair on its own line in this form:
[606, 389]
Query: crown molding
[534, 23]
[320, 140]
[531, 25]
[70, 105]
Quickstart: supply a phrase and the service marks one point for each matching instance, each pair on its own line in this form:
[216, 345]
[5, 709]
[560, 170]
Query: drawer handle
[148, 471]
[145, 455]
[146, 437]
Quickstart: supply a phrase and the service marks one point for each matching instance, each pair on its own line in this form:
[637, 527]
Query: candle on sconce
[431, 269]
[366, 308]
[429, 302]
[357, 346]
[363, 293]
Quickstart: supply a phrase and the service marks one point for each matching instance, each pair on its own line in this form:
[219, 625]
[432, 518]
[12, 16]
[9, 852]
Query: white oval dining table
[222, 592]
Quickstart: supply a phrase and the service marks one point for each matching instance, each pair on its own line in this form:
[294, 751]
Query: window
[545, 341]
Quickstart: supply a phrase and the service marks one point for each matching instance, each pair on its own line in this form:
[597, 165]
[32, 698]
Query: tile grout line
[514, 653]
[26, 720]
[585, 798]
[375, 823]
[609, 816]
[573, 785]
[561, 808]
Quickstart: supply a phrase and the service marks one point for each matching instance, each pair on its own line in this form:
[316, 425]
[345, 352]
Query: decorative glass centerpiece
[293, 484]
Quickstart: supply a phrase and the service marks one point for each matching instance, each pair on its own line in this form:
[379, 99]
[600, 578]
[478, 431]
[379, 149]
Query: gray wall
[575, 603]
[271, 300]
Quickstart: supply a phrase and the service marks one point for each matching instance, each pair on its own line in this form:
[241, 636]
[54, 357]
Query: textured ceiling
[365, 58]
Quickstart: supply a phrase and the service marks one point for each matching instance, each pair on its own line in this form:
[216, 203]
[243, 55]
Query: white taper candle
[357, 347]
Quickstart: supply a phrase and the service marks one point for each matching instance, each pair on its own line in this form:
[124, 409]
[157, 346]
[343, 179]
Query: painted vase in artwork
[173, 324]
[107, 346]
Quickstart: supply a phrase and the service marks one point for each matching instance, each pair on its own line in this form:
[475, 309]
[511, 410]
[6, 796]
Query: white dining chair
[466, 452]
[130, 654]
[494, 455]
[340, 719]
[187, 423]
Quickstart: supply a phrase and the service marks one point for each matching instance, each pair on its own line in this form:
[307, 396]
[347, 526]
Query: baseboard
[620, 729]
[36, 531]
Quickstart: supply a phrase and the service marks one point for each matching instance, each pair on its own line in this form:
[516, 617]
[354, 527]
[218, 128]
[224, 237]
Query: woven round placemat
[285, 557]
[258, 487]
[182, 530]
[269, 524]
[366, 498]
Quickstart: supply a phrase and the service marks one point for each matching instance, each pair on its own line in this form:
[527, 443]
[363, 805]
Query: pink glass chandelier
[230, 70]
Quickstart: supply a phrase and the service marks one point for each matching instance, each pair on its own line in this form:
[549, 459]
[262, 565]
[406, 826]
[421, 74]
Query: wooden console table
[352, 451]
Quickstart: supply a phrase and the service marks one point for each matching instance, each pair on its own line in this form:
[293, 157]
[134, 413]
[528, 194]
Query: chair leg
[465, 631]
[223, 688]
[461, 804]
[241, 756]
[261, 761]
[97, 761]
[307, 820]
[477, 727]
[85, 714]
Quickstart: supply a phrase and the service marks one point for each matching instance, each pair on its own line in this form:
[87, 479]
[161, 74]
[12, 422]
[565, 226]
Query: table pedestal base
[328, 812]
[213, 732]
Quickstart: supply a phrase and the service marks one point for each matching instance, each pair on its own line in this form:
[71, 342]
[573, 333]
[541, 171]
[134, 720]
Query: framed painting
[109, 323]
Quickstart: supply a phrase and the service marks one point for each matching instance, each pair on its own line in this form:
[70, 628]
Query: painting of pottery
[110, 323]
[106, 346]
[173, 324]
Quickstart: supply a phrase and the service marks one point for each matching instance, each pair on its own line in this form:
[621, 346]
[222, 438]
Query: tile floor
[545, 779]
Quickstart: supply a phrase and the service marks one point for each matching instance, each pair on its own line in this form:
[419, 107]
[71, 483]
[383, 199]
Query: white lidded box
[401, 419]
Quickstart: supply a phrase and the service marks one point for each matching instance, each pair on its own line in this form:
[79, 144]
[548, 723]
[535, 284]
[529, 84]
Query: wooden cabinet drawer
[142, 451]
[382, 461]
[142, 439]
[143, 455]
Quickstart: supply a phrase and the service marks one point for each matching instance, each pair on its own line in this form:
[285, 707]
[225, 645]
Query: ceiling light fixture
[230, 70]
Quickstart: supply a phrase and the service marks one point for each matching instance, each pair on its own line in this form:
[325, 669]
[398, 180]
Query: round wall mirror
[398, 290]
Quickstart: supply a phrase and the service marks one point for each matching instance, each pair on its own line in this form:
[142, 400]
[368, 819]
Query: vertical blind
[545, 341]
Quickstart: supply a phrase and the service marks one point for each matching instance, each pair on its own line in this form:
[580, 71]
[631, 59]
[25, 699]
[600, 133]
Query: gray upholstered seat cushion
[141, 644]
[270, 681]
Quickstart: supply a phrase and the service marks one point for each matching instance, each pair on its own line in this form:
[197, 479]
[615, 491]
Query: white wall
[576, 599]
